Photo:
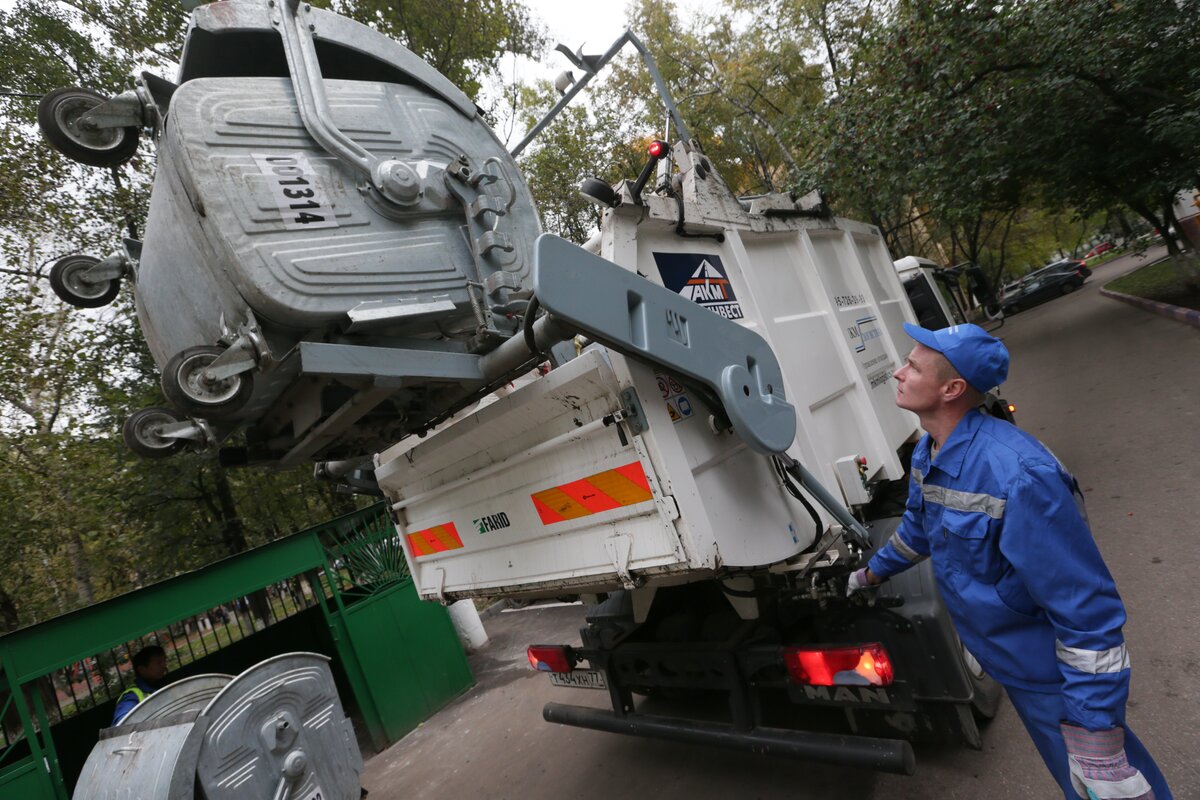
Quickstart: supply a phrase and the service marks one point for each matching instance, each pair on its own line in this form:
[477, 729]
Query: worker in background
[1017, 567]
[149, 669]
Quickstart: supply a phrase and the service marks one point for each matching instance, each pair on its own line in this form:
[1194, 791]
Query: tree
[85, 519]
[462, 39]
[1071, 105]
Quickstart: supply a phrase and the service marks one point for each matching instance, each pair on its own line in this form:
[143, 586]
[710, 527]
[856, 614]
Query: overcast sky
[592, 25]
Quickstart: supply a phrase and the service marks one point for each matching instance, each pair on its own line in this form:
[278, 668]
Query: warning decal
[701, 279]
[679, 405]
[437, 539]
[613, 488]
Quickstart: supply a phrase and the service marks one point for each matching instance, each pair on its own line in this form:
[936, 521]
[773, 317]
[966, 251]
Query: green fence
[341, 588]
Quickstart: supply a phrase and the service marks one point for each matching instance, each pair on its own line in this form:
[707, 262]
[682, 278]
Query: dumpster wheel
[186, 386]
[141, 432]
[67, 279]
[59, 114]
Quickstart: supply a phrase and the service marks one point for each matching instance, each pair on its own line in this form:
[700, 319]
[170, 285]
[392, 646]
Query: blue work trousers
[1042, 715]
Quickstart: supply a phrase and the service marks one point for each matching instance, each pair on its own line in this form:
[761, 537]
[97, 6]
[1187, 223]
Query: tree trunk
[10, 619]
[233, 533]
[80, 570]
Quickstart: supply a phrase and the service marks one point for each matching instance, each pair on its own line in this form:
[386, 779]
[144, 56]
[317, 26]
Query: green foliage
[462, 39]
[976, 110]
[83, 518]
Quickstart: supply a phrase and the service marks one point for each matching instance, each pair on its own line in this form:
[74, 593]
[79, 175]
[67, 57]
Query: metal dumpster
[335, 236]
[275, 731]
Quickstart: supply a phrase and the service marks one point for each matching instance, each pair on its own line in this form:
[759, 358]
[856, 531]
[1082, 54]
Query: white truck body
[535, 494]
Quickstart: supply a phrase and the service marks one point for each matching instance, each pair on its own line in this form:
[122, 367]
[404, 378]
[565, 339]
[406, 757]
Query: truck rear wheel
[987, 692]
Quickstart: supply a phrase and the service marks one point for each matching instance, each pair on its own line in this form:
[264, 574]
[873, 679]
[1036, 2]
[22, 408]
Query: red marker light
[550, 658]
[658, 148]
[857, 665]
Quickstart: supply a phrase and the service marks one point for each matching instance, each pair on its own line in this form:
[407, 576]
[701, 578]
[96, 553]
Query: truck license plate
[580, 679]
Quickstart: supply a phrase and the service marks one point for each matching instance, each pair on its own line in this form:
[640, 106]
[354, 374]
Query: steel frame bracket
[652, 324]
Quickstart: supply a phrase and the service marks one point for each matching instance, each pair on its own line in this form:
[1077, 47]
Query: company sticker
[491, 522]
[296, 190]
[864, 330]
[701, 279]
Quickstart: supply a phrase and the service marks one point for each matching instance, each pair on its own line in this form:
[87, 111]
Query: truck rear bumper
[883, 755]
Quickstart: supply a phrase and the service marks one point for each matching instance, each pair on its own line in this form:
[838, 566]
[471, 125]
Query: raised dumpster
[335, 236]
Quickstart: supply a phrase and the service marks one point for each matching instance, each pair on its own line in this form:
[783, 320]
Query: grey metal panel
[304, 278]
[388, 363]
[148, 761]
[651, 323]
[281, 706]
[180, 697]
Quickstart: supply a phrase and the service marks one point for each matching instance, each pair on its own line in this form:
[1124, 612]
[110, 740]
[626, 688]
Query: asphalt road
[1112, 390]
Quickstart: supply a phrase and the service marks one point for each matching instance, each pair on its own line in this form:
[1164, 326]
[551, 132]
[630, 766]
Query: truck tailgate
[540, 491]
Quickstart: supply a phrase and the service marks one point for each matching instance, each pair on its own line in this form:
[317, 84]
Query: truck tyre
[58, 116]
[985, 701]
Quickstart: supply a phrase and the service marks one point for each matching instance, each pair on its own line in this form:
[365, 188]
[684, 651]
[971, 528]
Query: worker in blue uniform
[149, 669]
[1018, 569]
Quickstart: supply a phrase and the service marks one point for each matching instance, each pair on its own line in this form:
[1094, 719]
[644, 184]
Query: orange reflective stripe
[555, 505]
[626, 485]
[437, 539]
[587, 494]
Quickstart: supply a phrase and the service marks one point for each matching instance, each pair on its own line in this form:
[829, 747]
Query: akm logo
[706, 285]
[491, 522]
[700, 278]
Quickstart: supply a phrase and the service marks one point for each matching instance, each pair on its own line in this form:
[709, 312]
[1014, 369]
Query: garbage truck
[341, 263]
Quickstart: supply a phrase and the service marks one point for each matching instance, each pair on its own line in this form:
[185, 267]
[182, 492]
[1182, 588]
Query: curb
[494, 609]
[1185, 315]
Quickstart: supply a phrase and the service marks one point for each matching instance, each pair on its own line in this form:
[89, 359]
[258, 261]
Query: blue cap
[979, 357]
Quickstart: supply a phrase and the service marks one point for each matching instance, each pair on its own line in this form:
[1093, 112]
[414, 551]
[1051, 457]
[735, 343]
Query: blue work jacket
[1017, 566]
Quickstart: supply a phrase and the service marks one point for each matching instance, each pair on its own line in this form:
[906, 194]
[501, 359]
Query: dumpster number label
[296, 191]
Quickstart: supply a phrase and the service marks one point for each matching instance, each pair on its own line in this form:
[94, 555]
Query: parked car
[1099, 249]
[1047, 283]
[1065, 265]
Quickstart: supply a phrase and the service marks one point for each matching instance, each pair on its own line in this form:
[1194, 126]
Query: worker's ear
[954, 389]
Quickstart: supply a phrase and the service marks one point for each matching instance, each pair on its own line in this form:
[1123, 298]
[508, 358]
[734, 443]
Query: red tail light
[1079, 273]
[857, 665]
[551, 657]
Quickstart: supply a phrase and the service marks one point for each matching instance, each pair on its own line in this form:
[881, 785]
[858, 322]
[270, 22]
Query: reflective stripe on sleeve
[1095, 662]
[904, 550]
[964, 501]
[917, 475]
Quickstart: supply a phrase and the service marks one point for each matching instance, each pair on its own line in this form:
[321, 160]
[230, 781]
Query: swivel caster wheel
[188, 388]
[68, 280]
[60, 116]
[142, 432]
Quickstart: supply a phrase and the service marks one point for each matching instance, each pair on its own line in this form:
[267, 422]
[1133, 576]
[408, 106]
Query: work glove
[1099, 767]
[858, 582]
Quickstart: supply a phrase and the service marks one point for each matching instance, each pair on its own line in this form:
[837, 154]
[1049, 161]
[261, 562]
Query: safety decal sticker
[613, 488]
[701, 279]
[679, 405]
[437, 539]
